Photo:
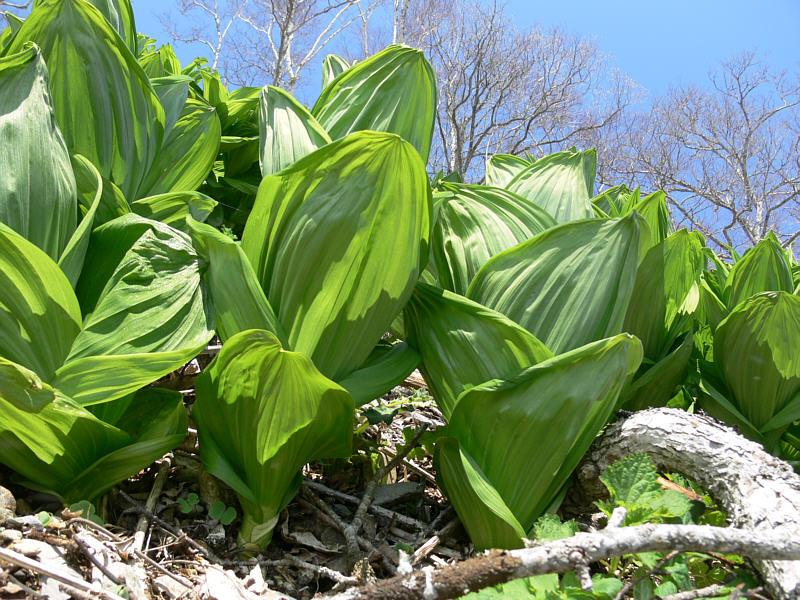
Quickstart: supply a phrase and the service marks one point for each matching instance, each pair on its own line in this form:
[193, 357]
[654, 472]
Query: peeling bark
[757, 490]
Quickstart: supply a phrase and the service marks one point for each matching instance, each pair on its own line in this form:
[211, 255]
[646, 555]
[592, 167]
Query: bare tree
[728, 156]
[503, 89]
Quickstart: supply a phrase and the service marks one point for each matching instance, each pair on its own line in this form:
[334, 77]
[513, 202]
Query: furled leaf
[288, 132]
[172, 208]
[187, 155]
[90, 194]
[473, 223]
[763, 268]
[39, 315]
[172, 91]
[569, 285]
[386, 367]
[756, 350]
[64, 449]
[653, 208]
[37, 186]
[502, 168]
[561, 183]
[656, 383]
[463, 344]
[8, 33]
[236, 298]
[262, 413]
[616, 201]
[666, 292]
[160, 63]
[332, 67]
[337, 241]
[119, 14]
[528, 433]
[104, 104]
[393, 91]
[149, 317]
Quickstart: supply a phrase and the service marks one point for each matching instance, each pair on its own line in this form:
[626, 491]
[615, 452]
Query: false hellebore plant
[331, 252]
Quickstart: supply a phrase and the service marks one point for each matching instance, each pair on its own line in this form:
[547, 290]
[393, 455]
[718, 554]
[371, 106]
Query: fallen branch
[559, 556]
[755, 489]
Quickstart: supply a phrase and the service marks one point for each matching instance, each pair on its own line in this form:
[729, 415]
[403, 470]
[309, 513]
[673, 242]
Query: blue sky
[658, 44]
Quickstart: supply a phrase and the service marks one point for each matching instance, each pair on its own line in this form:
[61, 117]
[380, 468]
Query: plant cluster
[533, 307]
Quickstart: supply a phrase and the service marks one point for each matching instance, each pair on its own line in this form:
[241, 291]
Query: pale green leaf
[332, 67]
[502, 168]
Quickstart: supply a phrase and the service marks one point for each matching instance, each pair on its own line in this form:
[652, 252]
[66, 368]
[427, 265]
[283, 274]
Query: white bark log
[757, 490]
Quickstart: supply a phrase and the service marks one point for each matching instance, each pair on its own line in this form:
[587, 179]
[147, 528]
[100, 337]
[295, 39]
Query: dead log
[757, 490]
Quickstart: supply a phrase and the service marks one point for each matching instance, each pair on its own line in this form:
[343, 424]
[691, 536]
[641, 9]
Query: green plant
[189, 503]
[219, 511]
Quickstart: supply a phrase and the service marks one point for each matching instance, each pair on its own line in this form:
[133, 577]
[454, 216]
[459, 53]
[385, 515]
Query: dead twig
[150, 505]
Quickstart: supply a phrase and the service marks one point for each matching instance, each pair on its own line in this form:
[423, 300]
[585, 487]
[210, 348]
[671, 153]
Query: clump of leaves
[188, 503]
[221, 512]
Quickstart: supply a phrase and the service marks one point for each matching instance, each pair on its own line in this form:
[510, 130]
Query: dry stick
[87, 551]
[380, 511]
[294, 561]
[559, 556]
[150, 505]
[354, 528]
[706, 592]
[66, 579]
[433, 542]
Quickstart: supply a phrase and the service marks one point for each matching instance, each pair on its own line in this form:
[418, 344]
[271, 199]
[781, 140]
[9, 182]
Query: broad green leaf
[387, 367]
[337, 241]
[90, 193]
[332, 67]
[756, 350]
[666, 292]
[393, 91]
[653, 208]
[236, 298]
[172, 91]
[119, 14]
[287, 131]
[763, 268]
[22, 388]
[486, 517]
[39, 314]
[172, 208]
[160, 63]
[473, 223]
[262, 413]
[616, 201]
[112, 202]
[568, 286]
[64, 449]
[7, 34]
[187, 155]
[148, 319]
[463, 344]
[528, 433]
[561, 183]
[502, 168]
[104, 104]
[658, 382]
[37, 186]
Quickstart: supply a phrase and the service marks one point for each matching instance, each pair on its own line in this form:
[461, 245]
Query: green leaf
[37, 189]
[474, 223]
[387, 366]
[172, 91]
[188, 153]
[560, 183]
[90, 194]
[160, 63]
[656, 383]
[148, 319]
[755, 348]
[337, 241]
[763, 268]
[332, 67]
[653, 208]
[22, 388]
[262, 413]
[550, 527]
[393, 91]
[666, 292]
[569, 285]
[502, 168]
[486, 517]
[528, 433]
[287, 131]
[119, 14]
[7, 34]
[39, 314]
[463, 344]
[172, 208]
[616, 201]
[104, 104]
[236, 298]
[112, 202]
[64, 449]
